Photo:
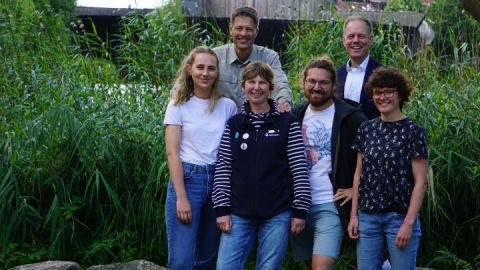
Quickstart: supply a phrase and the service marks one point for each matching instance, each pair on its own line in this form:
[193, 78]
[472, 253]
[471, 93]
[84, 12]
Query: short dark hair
[245, 11]
[350, 19]
[258, 68]
[323, 62]
[392, 78]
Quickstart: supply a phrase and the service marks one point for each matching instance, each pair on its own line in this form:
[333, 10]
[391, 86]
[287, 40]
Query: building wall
[272, 9]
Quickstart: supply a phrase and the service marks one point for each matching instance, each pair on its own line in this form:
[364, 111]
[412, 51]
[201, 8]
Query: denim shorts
[322, 234]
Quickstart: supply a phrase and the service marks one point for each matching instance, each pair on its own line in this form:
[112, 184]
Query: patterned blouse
[387, 148]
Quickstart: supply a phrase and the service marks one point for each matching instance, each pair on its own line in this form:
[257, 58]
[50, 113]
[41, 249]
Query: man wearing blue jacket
[357, 39]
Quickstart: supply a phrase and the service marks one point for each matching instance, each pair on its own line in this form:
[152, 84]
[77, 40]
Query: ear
[370, 40]
[189, 70]
[230, 29]
[343, 41]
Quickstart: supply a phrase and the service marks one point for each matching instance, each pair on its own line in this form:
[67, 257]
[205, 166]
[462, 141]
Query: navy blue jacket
[366, 101]
[261, 168]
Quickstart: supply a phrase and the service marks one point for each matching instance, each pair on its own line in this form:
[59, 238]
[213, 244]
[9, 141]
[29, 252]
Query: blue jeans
[379, 231]
[193, 245]
[272, 236]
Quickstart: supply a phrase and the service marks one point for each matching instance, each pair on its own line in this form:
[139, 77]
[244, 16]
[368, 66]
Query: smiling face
[257, 90]
[243, 31]
[204, 72]
[357, 41]
[386, 100]
[318, 88]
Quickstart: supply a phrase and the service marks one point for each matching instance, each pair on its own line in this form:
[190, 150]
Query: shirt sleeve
[298, 167]
[173, 115]
[418, 143]
[282, 89]
[357, 142]
[222, 179]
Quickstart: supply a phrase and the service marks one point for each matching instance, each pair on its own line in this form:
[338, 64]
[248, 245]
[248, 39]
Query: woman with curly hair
[390, 177]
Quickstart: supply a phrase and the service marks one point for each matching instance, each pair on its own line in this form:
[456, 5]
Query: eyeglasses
[312, 82]
[388, 93]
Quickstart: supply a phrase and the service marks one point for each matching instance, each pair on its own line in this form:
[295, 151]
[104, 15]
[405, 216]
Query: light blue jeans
[195, 245]
[379, 231]
[272, 237]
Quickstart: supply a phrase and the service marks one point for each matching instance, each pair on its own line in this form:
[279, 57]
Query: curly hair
[183, 86]
[392, 78]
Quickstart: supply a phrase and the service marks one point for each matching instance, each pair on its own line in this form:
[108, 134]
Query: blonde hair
[183, 86]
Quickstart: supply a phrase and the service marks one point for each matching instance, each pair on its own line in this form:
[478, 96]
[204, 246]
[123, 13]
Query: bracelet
[354, 216]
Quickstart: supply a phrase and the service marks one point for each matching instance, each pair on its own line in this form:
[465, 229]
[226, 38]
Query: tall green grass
[83, 168]
[82, 160]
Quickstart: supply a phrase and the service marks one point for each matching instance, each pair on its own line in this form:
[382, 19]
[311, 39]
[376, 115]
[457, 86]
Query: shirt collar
[232, 55]
[362, 67]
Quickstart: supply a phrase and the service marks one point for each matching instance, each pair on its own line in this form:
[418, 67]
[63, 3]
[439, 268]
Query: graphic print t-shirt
[317, 133]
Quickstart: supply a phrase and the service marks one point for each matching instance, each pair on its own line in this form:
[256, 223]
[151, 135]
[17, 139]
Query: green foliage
[152, 47]
[447, 16]
[404, 5]
[14, 254]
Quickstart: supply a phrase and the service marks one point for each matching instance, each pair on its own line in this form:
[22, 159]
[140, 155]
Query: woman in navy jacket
[261, 183]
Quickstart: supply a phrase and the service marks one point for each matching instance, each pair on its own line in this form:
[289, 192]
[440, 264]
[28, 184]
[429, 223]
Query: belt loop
[195, 168]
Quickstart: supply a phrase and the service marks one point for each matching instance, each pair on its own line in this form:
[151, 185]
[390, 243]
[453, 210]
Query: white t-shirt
[317, 134]
[201, 129]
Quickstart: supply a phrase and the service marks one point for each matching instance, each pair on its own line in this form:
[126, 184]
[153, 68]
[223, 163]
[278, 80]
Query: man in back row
[357, 39]
[234, 57]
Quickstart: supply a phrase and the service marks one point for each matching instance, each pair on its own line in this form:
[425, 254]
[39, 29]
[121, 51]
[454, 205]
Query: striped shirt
[296, 161]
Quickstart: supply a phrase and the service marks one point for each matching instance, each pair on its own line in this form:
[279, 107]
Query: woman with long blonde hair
[194, 120]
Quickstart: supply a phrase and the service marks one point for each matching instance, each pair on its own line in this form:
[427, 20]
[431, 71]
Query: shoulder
[171, 106]
[343, 68]
[413, 126]
[264, 52]
[373, 63]
[221, 49]
[224, 101]
[370, 124]
[297, 110]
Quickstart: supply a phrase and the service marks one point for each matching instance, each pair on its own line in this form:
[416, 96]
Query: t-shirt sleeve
[357, 142]
[173, 115]
[418, 142]
[232, 108]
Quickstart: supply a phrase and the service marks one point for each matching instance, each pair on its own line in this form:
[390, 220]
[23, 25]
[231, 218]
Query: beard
[322, 100]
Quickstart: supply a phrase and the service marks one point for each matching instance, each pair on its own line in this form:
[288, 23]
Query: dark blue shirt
[387, 149]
